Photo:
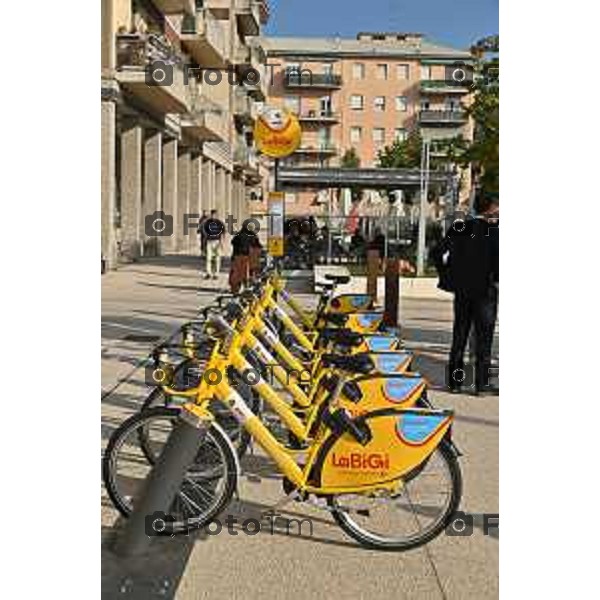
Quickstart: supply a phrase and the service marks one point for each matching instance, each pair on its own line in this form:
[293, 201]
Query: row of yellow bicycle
[327, 394]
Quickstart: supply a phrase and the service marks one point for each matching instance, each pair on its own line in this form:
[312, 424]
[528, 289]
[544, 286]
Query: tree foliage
[483, 153]
[404, 154]
[350, 159]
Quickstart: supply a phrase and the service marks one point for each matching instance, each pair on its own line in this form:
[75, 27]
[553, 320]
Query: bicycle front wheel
[420, 511]
[209, 482]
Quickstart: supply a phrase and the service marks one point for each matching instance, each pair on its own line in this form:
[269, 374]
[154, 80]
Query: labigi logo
[364, 462]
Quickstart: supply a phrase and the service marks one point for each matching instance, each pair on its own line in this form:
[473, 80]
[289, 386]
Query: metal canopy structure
[326, 177]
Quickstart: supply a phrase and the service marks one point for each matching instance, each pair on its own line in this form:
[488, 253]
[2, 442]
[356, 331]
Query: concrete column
[184, 178]
[169, 186]
[206, 185]
[132, 226]
[108, 192]
[152, 191]
[220, 201]
[196, 204]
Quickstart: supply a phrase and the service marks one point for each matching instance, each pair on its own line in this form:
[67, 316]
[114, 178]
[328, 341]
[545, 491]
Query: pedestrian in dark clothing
[467, 261]
[201, 234]
[378, 243]
[241, 243]
[358, 246]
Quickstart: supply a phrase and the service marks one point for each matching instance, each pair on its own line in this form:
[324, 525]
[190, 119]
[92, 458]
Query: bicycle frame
[405, 459]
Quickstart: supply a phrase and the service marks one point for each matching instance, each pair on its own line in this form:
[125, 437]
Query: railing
[319, 115]
[305, 78]
[204, 23]
[244, 156]
[318, 148]
[139, 50]
[200, 105]
[441, 84]
[442, 116]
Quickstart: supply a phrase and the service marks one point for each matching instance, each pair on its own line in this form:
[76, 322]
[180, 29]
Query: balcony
[319, 148]
[169, 7]
[245, 159]
[441, 86]
[442, 117]
[205, 121]
[135, 55]
[243, 108]
[319, 117]
[219, 8]
[293, 78]
[207, 39]
[247, 13]
[264, 11]
[252, 57]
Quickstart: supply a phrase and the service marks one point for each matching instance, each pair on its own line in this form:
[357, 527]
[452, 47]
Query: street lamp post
[423, 210]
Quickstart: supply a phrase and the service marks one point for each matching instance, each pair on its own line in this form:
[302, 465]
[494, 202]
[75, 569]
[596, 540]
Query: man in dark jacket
[467, 261]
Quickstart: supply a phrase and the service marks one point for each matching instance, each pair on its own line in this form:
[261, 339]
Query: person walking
[214, 232]
[467, 261]
[241, 244]
[201, 235]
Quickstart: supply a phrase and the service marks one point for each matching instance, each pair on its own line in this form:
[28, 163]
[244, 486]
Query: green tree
[483, 152]
[351, 160]
[404, 154]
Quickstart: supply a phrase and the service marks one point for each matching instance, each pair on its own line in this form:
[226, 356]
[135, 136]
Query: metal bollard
[160, 487]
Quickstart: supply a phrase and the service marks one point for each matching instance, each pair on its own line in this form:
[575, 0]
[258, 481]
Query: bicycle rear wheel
[411, 518]
[208, 484]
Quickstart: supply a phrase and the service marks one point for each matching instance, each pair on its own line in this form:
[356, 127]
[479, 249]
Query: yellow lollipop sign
[277, 132]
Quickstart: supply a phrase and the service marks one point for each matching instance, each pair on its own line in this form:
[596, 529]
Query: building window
[400, 134]
[290, 197]
[328, 69]
[355, 135]
[356, 102]
[379, 135]
[402, 71]
[424, 103]
[358, 71]
[292, 103]
[382, 71]
[325, 106]
[426, 72]
[379, 103]
[401, 103]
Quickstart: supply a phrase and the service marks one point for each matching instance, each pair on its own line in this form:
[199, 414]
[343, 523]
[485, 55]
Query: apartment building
[176, 133]
[364, 93]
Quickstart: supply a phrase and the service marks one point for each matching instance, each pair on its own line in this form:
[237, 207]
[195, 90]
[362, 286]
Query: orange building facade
[363, 94]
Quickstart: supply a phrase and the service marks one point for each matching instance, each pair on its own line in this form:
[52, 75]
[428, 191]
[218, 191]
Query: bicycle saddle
[338, 319]
[342, 337]
[338, 279]
[326, 286]
[355, 363]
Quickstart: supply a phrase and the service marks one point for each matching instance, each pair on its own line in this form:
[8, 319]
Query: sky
[456, 23]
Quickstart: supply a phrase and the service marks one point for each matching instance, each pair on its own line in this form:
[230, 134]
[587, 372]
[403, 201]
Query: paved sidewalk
[145, 302]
